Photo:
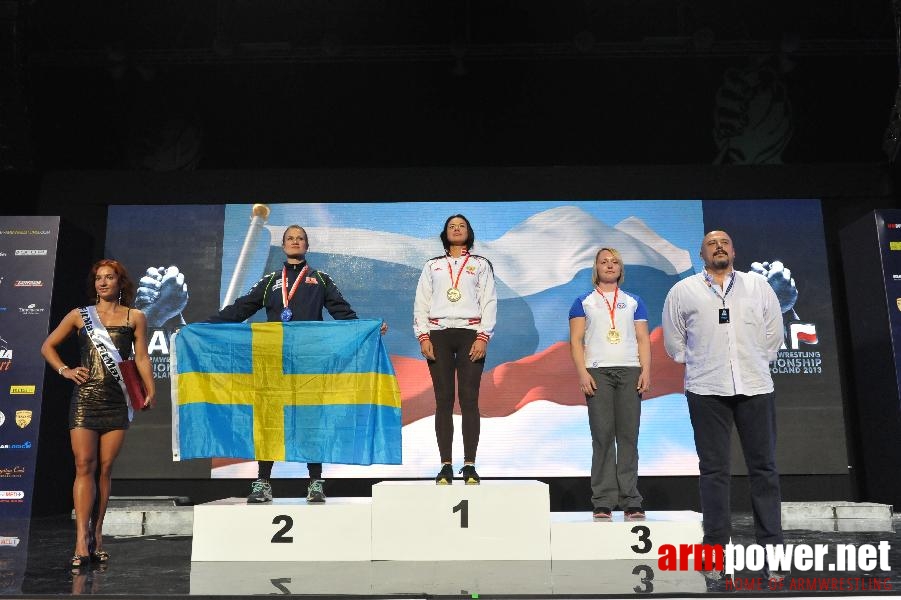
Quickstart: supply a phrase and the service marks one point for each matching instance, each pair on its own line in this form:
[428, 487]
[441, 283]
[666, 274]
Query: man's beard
[721, 261]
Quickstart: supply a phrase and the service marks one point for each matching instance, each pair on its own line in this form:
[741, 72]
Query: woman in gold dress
[99, 410]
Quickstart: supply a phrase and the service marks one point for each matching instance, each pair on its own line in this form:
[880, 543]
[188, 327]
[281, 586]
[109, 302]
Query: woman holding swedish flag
[297, 292]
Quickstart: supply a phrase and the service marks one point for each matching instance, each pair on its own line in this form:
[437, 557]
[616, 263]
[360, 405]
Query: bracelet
[60, 370]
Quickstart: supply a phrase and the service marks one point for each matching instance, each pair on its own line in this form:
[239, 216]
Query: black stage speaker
[871, 257]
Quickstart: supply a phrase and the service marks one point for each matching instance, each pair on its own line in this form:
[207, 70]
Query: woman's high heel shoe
[101, 556]
[78, 562]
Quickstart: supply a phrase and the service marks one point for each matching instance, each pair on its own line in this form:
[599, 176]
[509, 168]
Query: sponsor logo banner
[14, 471]
[23, 418]
[31, 309]
[22, 446]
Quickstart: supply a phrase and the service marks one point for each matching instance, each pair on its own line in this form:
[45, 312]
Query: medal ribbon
[709, 281]
[460, 272]
[612, 309]
[286, 296]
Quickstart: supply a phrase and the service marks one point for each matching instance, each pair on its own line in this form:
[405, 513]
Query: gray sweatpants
[614, 414]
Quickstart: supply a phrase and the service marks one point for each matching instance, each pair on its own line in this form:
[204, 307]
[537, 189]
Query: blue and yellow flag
[304, 391]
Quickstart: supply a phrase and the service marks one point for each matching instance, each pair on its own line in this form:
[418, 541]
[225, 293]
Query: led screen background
[534, 420]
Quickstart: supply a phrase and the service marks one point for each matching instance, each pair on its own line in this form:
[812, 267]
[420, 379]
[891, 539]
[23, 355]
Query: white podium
[413, 537]
[420, 522]
[236, 579]
[623, 578]
[575, 536]
[461, 578]
[497, 520]
[286, 529]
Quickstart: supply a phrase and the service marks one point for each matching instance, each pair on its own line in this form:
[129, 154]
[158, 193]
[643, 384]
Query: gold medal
[454, 294]
[613, 336]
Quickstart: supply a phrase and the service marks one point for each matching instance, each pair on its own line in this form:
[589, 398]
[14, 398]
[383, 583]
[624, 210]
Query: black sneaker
[717, 581]
[316, 492]
[260, 491]
[470, 477]
[445, 475]
[774, 577]
[602, 513]
[634, 513]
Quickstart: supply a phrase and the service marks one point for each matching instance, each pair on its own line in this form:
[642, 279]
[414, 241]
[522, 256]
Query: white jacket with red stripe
[477, 307]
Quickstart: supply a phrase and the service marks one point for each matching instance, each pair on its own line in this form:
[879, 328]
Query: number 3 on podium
[644, 537]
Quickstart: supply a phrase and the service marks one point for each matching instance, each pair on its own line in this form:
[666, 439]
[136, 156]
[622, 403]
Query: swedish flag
[303, 391]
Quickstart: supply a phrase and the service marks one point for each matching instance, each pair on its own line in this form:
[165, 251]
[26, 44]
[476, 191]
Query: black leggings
[265, 469]
[451, 347]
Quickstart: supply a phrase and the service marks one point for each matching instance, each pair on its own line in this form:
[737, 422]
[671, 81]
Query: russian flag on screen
[529, 357]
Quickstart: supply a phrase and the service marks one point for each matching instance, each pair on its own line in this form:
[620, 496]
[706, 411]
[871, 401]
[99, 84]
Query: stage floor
[161, 566]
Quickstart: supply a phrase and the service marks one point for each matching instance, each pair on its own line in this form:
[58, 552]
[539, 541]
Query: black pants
[755, 419]
[265, 469]
[451, 368]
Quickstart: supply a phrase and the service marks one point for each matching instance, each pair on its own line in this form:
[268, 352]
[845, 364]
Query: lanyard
[610, 308]
[455, 283]
[286, 295]
[709, 281]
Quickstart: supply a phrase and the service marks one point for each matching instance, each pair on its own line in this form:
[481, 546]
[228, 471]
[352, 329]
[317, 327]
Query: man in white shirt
[726, 327]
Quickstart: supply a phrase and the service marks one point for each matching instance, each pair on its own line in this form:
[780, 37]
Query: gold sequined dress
[99, 403]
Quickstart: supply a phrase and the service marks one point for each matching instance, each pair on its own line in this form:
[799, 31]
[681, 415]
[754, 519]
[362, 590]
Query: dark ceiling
[231, 84]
